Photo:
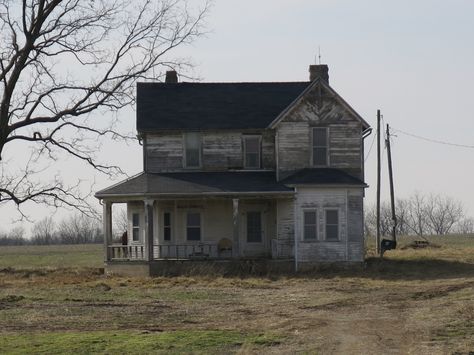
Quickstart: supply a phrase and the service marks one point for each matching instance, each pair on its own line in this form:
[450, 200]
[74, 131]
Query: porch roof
[197, 183]
[322, 176]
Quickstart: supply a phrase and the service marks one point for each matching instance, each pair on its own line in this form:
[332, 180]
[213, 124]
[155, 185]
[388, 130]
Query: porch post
[236, 228]
[149, 229]
[107, 228]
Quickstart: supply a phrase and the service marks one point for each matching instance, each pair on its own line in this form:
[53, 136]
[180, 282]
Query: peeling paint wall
[220, 150]
[319, 108]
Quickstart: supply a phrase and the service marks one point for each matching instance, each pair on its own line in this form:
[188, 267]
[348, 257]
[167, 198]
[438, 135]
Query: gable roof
[333, 92]
[162, 106]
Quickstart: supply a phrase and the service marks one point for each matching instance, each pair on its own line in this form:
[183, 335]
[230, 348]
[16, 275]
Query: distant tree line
[75, 229]
[421, 215]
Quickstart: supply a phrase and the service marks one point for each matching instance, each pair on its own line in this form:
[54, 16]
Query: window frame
[313, 146]
[259, 151]
[247, 227]
[199, 213]
[135, 227]
[185, 149]
[338, 210]
[165, 226]
[316, 225]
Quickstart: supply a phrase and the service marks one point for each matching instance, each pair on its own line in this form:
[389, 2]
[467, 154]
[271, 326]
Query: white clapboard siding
[350, 246]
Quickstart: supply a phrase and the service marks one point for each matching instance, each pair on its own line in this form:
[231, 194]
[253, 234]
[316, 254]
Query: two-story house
[271, 170]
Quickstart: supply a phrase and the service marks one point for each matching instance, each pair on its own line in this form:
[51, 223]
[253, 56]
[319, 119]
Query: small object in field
[387, 244]
[421, 244]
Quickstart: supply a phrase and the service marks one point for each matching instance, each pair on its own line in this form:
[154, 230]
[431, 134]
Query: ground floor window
[135, 227]
[332, 224]
[167, 226]
[254, 227]
[310, 222]
[193, 226]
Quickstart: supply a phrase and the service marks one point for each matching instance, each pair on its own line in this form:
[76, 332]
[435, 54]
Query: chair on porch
[224, 247]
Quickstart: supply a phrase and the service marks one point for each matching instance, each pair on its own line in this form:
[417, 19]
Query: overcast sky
[411, 59]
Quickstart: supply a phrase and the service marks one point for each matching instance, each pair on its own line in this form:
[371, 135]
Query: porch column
[107, 228]
[149, 229]
[236, 228]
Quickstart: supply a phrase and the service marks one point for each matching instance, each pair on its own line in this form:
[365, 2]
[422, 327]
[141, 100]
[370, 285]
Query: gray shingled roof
[192, 183]
[213, 105]
[224, 183]
[322, 176]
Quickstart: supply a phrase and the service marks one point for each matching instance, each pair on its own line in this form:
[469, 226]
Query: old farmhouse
[268, 171]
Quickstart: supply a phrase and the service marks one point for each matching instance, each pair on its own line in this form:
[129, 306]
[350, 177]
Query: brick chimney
[319, 71]
[171, 77]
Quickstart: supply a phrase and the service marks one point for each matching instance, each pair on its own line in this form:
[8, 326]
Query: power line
[370, 149]
[433, 140]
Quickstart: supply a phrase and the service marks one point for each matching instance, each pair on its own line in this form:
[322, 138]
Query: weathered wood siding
[216, 222]
[220, 150]
[285, 228]
[350, 246]
[355, 208]
[319, 109]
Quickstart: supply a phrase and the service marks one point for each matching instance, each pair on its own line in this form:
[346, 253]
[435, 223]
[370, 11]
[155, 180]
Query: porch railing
[166, 251]
[127, 252]
[186, 251]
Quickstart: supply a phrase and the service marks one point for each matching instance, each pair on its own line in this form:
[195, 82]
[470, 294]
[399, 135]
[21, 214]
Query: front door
[253, 232]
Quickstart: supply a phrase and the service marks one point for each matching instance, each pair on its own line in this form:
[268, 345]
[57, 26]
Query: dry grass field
[413, 302]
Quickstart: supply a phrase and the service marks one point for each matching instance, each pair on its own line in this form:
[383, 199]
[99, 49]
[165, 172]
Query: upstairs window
[192, 147]
[193, 226]
[167, 226]
[252, 152]
[320, 146]
[135, 227]
[310, 222]
[332, 224]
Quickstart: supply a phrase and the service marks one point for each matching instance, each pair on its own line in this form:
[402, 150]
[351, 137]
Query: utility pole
[377, 238]
[392, 194]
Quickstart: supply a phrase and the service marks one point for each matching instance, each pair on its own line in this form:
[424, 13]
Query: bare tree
[62, 61]
[44, 231]
[79, 229]
[121, 220]
[416, 215]
[442, 213]
[15, 237]
[465, 226]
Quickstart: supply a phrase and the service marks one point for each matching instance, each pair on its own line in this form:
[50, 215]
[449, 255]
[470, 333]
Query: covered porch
[217, 216]
[207, 228]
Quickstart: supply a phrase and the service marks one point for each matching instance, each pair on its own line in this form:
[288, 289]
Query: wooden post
[377, 237]
[149, 229]
[236, 228]
[107, 228]
[392, 193]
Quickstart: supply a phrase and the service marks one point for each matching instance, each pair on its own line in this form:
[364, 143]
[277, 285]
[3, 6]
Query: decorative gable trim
[338, 98]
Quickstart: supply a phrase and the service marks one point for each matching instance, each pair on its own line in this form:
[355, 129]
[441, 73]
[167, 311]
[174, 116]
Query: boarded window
[193, 226]
[192, 144]
[135, 227]
[252, 152]
[320, 146]
[167, 226]
[310, 225]
[332, 225]
[254, 227]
